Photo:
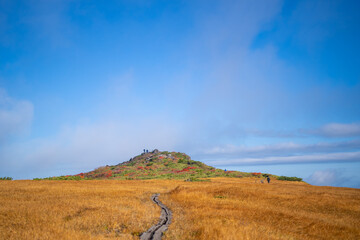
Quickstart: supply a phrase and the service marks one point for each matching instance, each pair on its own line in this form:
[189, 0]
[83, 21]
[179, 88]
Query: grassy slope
[160, 165]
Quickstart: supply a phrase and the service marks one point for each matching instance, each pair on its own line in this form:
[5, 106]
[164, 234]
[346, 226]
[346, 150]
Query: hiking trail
[156, 231]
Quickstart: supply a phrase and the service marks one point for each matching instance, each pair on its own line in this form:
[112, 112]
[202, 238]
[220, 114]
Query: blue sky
[249, 85]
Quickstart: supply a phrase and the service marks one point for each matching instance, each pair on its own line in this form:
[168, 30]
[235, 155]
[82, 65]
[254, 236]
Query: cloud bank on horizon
[228, 82]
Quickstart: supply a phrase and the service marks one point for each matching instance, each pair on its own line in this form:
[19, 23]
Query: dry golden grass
[221, 209]
[77, 209]
[242, 209]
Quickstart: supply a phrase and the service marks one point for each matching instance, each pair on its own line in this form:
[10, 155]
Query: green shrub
[181, 160]
[6, 178]
[171, 164]
[131, 163]
[197, 163]
[219, 196]
[62, 178]
[284, 178]
[195, 179]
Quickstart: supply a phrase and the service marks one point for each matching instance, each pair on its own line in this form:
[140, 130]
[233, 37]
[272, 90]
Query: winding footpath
[156, 231]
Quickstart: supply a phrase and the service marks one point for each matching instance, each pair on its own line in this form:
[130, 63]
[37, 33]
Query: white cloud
[232, 149]
[333, 177]
[278, 149]
[323, 178]
[84, 147]
[338, 177]
[15, 116]
[311, 158]
[340, 130]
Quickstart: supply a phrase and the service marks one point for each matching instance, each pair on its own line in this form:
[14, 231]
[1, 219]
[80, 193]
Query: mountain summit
[159, 165]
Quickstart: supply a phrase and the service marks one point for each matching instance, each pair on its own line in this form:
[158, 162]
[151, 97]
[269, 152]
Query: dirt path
[156, 231]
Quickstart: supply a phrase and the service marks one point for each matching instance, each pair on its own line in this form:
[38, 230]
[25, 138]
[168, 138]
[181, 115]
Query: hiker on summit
[268, 179]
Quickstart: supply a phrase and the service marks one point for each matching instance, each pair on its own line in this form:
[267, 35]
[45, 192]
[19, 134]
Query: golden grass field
[225, 208]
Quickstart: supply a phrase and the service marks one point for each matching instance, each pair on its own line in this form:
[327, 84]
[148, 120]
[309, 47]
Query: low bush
[219, 196]
[196, 179]
[62, 178]
[6, 178]
[181, 160]
[284, 178]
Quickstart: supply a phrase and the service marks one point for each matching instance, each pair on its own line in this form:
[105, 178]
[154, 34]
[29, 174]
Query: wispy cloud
[333, 177]
[15, 116]
[322, 178]
[330, 130]
[337, 130]
[282, 153]
[298, 159]
[279, 149]
[85, 147]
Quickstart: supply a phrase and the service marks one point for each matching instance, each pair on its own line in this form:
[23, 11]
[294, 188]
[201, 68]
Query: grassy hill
[163, 165]
[157, 165]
